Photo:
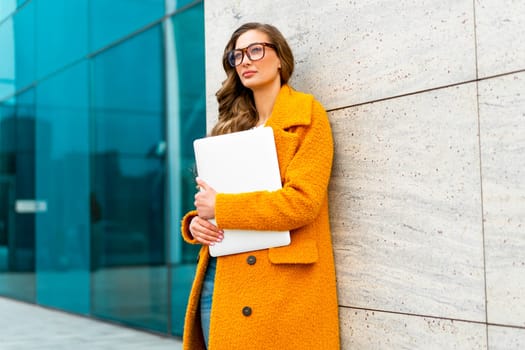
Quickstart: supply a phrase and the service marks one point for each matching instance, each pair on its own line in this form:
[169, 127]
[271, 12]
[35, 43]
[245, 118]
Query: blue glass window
[61, 34]
[100, 102]
[114, 20]
[62, 185]
[17, 69]
[6, 8]
[17, 159]
[185, 59]
[128, 177]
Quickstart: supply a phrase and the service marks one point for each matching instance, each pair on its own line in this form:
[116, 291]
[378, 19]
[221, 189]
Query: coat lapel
[291, 109]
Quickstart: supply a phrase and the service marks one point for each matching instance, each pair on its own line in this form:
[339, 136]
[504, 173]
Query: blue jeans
[206, 298]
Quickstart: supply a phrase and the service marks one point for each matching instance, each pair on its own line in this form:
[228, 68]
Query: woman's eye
[256, 50]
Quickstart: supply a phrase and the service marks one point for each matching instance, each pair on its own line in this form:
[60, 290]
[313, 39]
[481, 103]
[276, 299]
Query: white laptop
[244, 161]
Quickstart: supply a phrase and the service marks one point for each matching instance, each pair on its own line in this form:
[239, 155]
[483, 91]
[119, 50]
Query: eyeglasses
[254, 52]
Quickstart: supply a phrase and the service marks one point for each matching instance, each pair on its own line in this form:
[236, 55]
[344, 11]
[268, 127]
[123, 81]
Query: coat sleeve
[304, 189]
[185, 227]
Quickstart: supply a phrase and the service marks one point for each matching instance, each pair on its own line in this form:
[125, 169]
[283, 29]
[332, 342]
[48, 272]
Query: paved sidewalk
[30, 327]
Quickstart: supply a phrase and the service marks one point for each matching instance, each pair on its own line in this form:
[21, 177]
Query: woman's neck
[264, 101]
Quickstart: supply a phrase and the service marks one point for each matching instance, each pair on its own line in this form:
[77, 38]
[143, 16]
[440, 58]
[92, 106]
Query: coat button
[251, 260]
[246, 311]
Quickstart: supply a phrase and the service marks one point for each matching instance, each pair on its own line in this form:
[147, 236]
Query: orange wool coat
[291, 290]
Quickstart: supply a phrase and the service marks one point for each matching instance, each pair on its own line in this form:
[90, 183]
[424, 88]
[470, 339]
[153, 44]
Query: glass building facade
[100, 102]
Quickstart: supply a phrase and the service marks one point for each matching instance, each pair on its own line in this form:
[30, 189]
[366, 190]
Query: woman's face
[261, 73]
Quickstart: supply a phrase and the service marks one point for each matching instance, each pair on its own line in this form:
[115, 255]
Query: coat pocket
[300, 252]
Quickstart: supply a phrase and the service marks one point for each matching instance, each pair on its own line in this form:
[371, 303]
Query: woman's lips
[248, 73]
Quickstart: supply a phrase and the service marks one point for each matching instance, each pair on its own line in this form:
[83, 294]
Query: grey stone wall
[427, 103]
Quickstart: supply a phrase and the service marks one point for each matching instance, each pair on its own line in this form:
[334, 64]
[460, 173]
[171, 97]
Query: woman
[278, 298]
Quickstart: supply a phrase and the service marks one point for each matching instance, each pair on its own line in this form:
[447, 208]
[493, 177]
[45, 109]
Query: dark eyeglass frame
[231, 54]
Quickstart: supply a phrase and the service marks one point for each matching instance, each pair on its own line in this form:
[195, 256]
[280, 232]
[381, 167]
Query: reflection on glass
[61, 32]
[17, 68]
[17, 51]
[117, 19]
[7, 68]
[127, 183]
[7, 185]
[6, 8]
[96, 156]
[17, 240]
[25, 54]
[186, 40]
[62, 184]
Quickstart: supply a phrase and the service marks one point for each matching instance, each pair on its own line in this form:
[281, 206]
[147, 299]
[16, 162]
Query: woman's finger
[210, 226]
[201, 184]
[205, 232]
[211, 231]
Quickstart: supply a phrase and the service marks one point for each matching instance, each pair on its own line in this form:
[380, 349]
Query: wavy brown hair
[237, 110]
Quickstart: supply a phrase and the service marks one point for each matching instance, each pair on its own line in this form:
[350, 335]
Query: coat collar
[292, 108]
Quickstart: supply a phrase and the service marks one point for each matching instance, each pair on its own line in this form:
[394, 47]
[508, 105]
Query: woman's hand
[205, 200]
[205, 232]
